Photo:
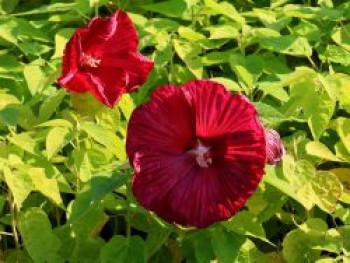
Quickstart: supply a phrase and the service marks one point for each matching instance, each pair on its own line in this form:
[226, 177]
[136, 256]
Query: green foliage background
[65, 179]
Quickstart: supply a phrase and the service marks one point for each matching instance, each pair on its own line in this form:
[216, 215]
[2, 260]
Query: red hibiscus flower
[102, 59]
[198, 153]
[275, 148]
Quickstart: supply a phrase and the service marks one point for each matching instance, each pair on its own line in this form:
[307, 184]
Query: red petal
[137, 67]
[178, 191]
[109, 84]
[71, 60]
[156, 126]
[217, 111]
[168, 180]
[117, 34]
[105, 88]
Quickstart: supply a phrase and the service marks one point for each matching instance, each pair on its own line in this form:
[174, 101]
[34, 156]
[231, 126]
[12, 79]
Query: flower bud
[274, 147]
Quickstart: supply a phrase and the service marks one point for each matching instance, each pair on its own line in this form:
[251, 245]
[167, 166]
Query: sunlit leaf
[20, 185]
[105, 137]
[56, 139]
[47, 186]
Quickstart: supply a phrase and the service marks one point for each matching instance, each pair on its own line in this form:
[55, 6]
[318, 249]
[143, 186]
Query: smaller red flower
[274, 147]
[102, 59]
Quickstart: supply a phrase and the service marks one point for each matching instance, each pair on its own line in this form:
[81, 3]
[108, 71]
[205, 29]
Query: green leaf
[190, 34]
[343, 129]
[317, 111]
[302, 183]
[164, 48]
[156, 238]
[47, 186]
[226, 245]
[244, 74]
[342, 89]
[9, 116]
[52, 8]
[9, 64]
[226, 9]
[16, 256]
[343, 175]
[328, 190]
[341, 151]
[246, 223]
[269, 115]
[223, 31]
[171, 8]
[317, 13]
[296, 248]
[215, 58]
[7, 99]
[126, 105]
[85, 216]
[104, 183]
[105, 137]
[30, 48]
[61, 39]
[56, 123]
[20, 185]
[308, 30]
[11, 30]
[80, 100]
[306, 243]
[34, 77]
[56, 139]
[290, 45]
[336, 54]
[189, 52]
[121, 249]
[7, 6]
[86, 250]
[300, 74]
[277, 3]
[320, 150]
[50, 105]
[202, 247]
[281, 184]
[25, 142]
[82, 165]
[341, 36]
[248, 252]
[38, 238]
[229, 84]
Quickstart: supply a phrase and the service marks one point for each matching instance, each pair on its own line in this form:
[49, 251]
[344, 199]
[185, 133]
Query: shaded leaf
[39, 240]
[121, 249]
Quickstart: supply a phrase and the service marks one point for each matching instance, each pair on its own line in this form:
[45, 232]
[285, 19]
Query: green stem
[126, 5]
[128, 226]
[171, 66]
[13, 221]
[96, 8]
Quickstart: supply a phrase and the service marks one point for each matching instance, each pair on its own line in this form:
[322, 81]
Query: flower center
[202, 154]
[89, 61]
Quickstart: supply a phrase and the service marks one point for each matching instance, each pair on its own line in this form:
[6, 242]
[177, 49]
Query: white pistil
[90, 61]
[202, 158]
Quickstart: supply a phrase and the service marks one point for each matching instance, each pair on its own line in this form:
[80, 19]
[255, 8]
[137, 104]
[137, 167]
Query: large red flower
[198, 153]
[102, 59]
